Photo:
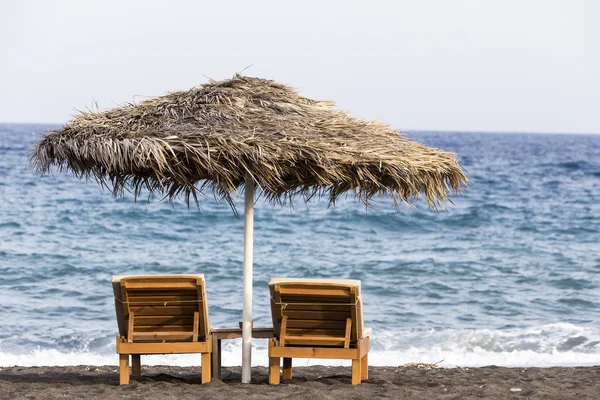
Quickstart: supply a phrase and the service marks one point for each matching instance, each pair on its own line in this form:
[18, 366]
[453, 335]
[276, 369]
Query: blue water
[508, 275]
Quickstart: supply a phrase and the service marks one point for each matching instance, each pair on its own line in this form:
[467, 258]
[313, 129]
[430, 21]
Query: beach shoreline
[315, 382]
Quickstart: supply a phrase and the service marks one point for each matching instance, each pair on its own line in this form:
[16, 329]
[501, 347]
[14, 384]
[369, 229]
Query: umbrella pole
[247, 309]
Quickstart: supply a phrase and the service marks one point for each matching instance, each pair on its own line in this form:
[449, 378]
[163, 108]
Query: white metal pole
[247, 310]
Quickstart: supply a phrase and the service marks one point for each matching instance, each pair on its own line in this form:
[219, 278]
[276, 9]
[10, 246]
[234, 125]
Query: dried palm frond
[209, 137]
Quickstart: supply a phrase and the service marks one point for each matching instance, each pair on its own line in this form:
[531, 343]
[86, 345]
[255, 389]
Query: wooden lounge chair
[161, 314]
[317, 318]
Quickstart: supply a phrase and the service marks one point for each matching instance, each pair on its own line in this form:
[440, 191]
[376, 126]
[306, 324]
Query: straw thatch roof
[209, 137]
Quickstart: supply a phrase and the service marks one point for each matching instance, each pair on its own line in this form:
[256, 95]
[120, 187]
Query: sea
[507, 274]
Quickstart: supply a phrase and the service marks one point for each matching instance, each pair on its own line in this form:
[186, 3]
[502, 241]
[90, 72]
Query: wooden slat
[317, 315]
[316, 324]
[163, 291]
[304, 291]
[278, 314]
[314, 352]
[307, 299]
[130, 325]
[164, 328]
[164, 348]
[162, 310]
[195, 327]
[276, 295]
[339, 333]
[158, 290]
[153, 297]
[316, 336]
[315, 285]
[203, 323]
[317, 307]
[320, 352]
[158, 285]
[160, 278]
[160, 336]
[347, 335]
[164, 319]
[283, 332]
[316, 342]
[125, 304]
[353, 335]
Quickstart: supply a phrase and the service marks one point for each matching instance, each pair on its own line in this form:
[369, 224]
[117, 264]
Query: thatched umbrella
[243, 132]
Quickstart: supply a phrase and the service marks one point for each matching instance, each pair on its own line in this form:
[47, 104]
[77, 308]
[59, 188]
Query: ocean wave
[576, 165]
[231, 356]
[558, 344]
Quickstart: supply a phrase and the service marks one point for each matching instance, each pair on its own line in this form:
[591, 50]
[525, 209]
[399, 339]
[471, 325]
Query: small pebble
[515, 389]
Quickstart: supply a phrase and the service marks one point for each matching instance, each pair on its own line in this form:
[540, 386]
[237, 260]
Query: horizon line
[416, 130]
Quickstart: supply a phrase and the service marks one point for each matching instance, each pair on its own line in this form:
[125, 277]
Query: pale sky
[507, 65]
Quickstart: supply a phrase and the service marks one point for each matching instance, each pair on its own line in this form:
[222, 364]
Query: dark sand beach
[313, 383]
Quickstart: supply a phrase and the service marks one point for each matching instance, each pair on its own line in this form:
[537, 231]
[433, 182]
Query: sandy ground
[315, 382]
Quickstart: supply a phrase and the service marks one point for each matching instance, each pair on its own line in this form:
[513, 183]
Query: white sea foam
[559, 344]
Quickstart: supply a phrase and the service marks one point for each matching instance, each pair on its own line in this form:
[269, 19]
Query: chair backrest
[316, 312]
[161, 308]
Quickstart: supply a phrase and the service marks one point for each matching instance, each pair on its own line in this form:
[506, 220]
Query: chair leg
[136, 366]
[206, 367]
[364, 368]
[287, 368]
[124, 369]
[356, 371]
[274, 373]
[216, 358]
